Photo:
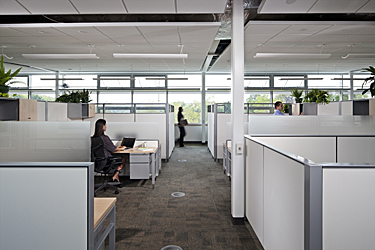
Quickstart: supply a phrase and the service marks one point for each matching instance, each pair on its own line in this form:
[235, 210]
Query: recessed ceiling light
[41, 32]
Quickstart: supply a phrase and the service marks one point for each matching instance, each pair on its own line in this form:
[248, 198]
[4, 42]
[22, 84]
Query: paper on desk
[145, 149]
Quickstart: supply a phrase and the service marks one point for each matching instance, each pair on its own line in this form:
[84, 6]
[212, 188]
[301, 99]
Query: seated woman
[109, 147]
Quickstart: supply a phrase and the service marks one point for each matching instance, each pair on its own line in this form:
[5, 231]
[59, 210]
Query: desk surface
[137, 151]
[101, 207]
[229, 148]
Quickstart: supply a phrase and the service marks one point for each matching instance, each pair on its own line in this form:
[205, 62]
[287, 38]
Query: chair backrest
[97, 153]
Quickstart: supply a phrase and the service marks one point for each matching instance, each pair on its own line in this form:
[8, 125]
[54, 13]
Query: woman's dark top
[108, 146]
[179, 117]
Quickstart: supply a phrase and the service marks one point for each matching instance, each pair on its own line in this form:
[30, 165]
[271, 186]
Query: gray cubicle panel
[44, 141]
[283, 185]
[170, 130]
[41, 111]
[218, 128]
[56, 111]
[347, 108]
[50, 206]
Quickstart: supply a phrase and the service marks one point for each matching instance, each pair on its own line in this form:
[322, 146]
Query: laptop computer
[128, 142]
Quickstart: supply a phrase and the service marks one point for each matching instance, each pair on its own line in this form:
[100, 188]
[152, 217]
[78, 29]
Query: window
[86, 83]
[36, 83]
[115, 83]
[149, 97]
[191, 103]
[43, 96]
[279, 83]
[327, 82]
[217, 81]
[194, 81]
[142, 82]
[263, 98]
[282, 96]
[257, 82]
[22, 82]
[114, 97]
[21, 94]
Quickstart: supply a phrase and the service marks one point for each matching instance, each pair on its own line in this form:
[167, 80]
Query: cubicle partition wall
[144, 121]
[294, 202]
[46, 205]
[56, 111]
[44, 141]
[41, 110]
[219, 124]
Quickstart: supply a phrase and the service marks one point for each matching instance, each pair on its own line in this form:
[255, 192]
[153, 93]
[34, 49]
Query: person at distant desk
[279, 107]
[109, 147]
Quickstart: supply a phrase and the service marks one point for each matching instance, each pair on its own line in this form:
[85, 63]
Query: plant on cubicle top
[75, 97]
[297, 94]
[317, 96]
[6, 78]
[370, 80]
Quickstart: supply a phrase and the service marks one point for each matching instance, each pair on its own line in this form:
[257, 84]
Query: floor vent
[171, 247]
[178, 194]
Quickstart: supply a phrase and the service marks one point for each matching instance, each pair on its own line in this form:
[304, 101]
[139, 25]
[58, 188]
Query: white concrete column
[203, 107]
[238, 173]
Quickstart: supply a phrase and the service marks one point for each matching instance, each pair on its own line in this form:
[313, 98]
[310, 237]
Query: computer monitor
[128, 142]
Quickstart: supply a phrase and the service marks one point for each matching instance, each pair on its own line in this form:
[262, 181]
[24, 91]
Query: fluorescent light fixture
[300, 78]
[113, 78]
[131, 55]
[292, 55]
[60, 56]
[359, 56]
[253, 78]
[65, 79]
[354, 79]
[166, 78]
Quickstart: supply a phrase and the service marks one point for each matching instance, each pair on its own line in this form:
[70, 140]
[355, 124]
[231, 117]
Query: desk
[143, 162]
[104, 207]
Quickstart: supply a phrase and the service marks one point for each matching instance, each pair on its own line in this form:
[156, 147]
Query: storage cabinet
[80, 110]
[18, 109]
[139, 166]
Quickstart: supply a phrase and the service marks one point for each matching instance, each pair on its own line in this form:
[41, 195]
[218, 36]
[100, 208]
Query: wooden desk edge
[108, 203]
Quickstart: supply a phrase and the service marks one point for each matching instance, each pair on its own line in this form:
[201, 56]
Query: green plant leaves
[5, 77]
[370, 80]
[318, 96]
[75, 97]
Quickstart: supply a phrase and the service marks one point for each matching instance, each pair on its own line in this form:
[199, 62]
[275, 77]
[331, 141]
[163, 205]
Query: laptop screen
[128, 142]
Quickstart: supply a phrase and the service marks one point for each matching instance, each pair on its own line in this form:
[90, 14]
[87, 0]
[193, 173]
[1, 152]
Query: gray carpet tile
[150, 219]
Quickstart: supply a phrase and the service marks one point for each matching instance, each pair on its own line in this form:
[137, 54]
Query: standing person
[279, 107]
[109, 147]
[181, 126]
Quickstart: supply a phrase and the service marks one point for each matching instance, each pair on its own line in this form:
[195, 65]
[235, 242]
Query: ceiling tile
[39, 31]
[12, 7]
[147, 6]
[337, 6]
[11, 32]
[201, 6]
[368, 8]
[258, 29]
[99, 6]
[305, 29]
[49, 7]
[287, 6]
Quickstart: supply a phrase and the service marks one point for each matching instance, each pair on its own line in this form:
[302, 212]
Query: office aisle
[150, 219]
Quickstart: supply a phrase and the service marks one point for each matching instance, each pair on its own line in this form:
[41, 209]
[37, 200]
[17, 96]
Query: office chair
[104, 166]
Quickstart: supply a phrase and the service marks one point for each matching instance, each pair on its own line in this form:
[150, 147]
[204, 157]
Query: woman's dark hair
[99, 124]
[180, 109]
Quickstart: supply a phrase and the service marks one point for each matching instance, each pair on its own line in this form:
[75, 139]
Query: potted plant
[370, 80]
[75, 97]
[297, 94]
[286, 109]
[317, 96]
[6, 77]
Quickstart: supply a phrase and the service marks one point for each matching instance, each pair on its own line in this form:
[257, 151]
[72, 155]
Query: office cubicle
[304, 170]
[142, 120]
[301, 198]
